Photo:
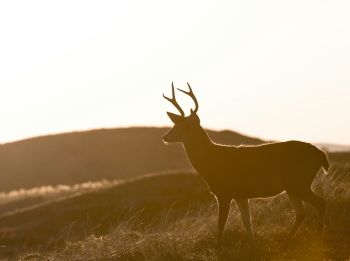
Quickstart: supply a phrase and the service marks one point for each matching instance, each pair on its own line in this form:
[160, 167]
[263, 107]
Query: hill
[77, 157]
[146, 198]
[334, 147]
[341, 158]
[171, 217]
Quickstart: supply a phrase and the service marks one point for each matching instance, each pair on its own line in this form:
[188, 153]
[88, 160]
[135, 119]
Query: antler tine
[191, 94]
[173, 100]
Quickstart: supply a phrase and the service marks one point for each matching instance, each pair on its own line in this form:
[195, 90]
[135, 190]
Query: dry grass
[193, 238]
[187, 231]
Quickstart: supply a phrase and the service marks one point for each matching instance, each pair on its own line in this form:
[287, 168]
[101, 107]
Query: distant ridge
[76, 157]
[334, 147]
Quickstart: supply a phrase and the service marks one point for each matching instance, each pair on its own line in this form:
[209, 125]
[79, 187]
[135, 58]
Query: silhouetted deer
[246, 172]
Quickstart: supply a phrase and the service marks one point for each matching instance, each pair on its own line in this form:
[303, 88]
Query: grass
[173, 217]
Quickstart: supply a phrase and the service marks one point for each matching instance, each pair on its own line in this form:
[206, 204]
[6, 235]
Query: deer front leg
[243, 206]
[224, 209]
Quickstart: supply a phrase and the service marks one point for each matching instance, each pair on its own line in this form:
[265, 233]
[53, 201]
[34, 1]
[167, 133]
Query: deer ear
[174, 117]
[195, 117]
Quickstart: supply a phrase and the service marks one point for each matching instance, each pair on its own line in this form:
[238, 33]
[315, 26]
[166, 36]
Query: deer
[245, 172]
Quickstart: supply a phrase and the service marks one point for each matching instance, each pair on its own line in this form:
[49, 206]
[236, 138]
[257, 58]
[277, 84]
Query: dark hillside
[146, 198]
[172, 215]
[341, 158]
[73, 158]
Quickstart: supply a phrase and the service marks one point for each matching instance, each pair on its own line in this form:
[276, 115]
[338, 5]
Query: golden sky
[271, 69]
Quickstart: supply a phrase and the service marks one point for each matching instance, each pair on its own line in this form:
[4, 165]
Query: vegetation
[172, 216]
[168, 215]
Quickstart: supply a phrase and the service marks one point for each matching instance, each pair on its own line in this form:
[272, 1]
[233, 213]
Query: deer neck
[198, 150]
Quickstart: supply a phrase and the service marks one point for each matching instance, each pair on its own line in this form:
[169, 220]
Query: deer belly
[259, 191]
[247, 188]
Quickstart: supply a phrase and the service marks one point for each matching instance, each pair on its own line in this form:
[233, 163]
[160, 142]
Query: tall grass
[336, 185]
[192, 236]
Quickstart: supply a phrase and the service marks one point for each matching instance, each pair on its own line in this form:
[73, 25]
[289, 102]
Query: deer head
[184, 126]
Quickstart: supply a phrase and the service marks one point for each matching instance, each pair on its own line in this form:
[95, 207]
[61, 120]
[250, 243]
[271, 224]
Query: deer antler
[191, 94]
[173, 100]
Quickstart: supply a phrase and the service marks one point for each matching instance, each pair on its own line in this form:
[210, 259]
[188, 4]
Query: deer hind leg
[224, 209]
[243, 206]
[297, 205]
[320, 204]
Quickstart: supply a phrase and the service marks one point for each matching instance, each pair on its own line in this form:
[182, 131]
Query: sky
[278, 70]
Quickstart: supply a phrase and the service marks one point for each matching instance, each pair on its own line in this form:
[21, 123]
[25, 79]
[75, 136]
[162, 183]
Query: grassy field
[167, 216]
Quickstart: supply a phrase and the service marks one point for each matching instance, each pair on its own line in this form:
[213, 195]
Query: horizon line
[323, 143]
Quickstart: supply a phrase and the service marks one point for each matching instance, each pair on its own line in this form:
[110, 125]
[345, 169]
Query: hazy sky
[272, 69]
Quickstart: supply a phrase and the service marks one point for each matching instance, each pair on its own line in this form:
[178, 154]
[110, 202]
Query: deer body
[256, 171]
[245, 172]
